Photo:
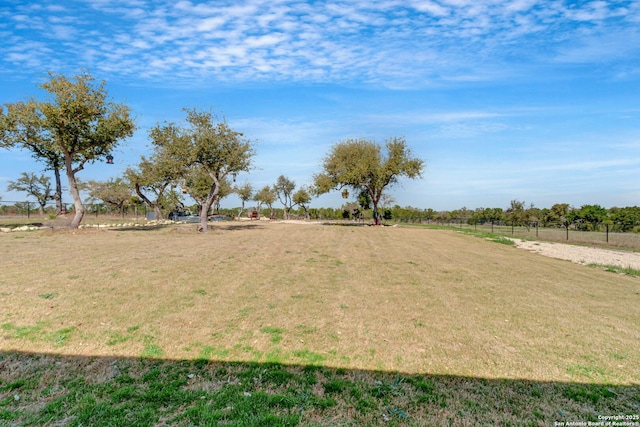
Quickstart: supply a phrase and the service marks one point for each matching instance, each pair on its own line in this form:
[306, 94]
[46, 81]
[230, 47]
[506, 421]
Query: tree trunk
[77, 202]
[206, 205]
[157, 212]
[153, 205]
[204, 211]
[58, 194]
[376, 214]
[75, 193]
[241, 210]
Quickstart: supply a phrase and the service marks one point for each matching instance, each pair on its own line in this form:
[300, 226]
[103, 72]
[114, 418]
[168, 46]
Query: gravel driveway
[582, 254]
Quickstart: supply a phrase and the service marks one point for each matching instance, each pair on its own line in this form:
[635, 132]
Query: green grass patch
[212, 353]
[61, 336]
[29, 332]
[275, 333]
[309, 357]
[492, 237]
[151, 349]
[617, 269]
[145, 392]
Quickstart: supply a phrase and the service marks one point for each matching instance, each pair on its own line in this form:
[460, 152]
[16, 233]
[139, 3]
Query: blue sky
[530, 100]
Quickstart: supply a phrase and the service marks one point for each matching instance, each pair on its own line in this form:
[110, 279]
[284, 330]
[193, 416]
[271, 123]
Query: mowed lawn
[397, 299]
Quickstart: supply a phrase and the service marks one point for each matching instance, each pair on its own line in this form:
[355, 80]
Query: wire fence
[608, 235]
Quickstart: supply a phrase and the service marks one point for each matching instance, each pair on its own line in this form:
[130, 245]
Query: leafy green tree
[361, 165]
[114, 192]
[284, 188]
[516, 213]
[207, 146]
[156, 176]
[77, 123]
[364, 200]
[197, 184]
[429, 214]
[625, 219]
[533, 214]
[37, 186]
[351, 210]
[590, 217]
[267, 196]
[22, 126]
[245, 193]
[302, 198]
[559, 214]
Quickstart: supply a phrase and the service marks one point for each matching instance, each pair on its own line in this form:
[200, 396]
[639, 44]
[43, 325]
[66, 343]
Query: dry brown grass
[392, 298]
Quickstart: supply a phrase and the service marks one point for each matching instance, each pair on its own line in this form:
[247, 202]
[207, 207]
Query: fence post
[28, 210]
[536, 229]
[607, 226]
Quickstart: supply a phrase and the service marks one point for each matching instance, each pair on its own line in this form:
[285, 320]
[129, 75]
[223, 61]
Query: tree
[36, 186]
[590, 217]
[361, 165]
[558, 215]
[302, 198]
[516, 212]
[207, 147]
[22, 126]
[197, 184]
[267, 196]
[155, 176]
[114, 192]
[364, 200]
[284, 191]
[78, 123]
[625, 219]
[245, 193]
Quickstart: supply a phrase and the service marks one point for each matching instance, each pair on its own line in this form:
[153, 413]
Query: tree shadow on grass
[44, 389]
[140, 227]
[189, 227]
[232, 226]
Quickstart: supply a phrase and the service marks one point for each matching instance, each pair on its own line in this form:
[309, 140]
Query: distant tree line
[560, 215]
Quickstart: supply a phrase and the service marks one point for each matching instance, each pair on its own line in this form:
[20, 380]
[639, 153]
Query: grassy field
[285, 324]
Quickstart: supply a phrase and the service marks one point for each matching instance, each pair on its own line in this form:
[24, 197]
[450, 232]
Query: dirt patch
[582, 254]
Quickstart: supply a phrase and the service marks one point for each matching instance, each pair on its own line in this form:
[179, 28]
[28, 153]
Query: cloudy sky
[522, 99]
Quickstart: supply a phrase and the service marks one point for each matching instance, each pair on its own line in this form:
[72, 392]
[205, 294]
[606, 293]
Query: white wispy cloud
[384, 42]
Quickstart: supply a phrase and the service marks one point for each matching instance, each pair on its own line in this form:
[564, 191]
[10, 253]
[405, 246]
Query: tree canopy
[206, 150]
[283, 189]
[266, 195]
[37, 186]
[360, 164]
[77, 124]
[114, 192]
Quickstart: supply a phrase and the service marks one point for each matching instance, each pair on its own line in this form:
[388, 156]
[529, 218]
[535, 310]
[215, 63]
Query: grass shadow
[232, 226]
[140, 227]
[45, 389]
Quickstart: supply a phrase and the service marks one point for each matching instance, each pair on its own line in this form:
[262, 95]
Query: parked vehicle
[183, 216]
